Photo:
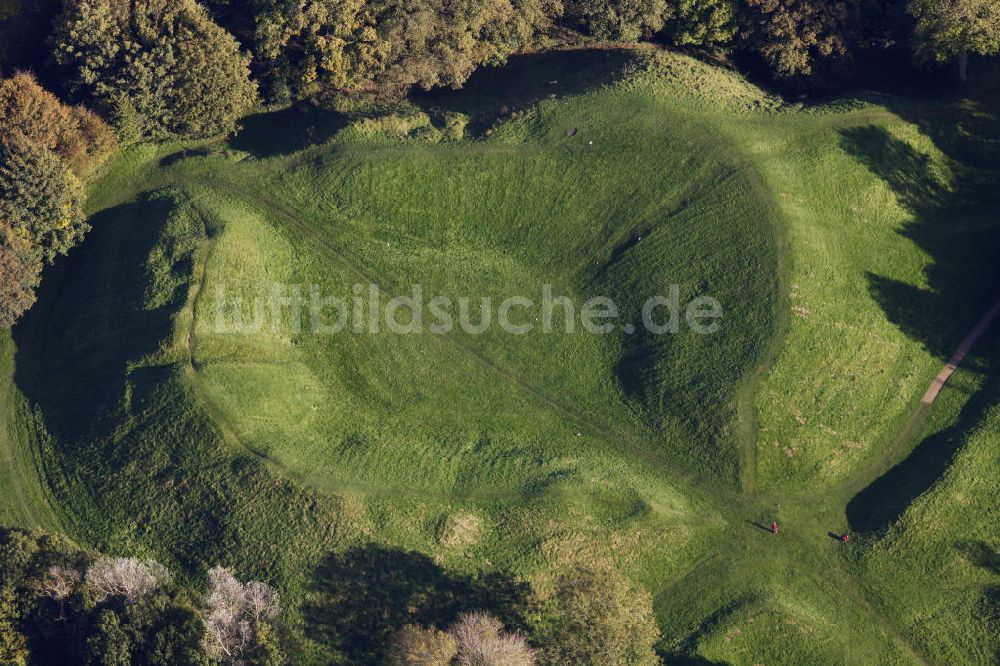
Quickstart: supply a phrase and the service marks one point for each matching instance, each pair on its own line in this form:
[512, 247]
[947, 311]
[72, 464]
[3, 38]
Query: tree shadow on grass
[885, 500]
[360, 597]
[953, 219]
[492, 93]
[275, 133]
[953, 222]
[983, 556]
[75, 348]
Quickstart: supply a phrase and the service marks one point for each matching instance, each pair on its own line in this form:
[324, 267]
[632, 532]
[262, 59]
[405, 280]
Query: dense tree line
[47, 149]
[62, 605]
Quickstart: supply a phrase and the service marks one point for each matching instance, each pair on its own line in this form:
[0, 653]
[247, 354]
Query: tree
[174, 633]
[109, 644]
[412, 645]
[481, 641]
[183, 74]
[238, 617]
[949, 30]
[618, 20]
[125, 577]
[308, 46]
[40, 197]
[59, 583]
[20, 271]
[796, 37]
[13, 644]
[75, 134]
[597, 616]
[702, 22]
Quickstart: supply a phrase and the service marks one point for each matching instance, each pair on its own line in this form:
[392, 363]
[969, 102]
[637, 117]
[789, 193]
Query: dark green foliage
[24, 25]
[13, 643]
[797, 38]
[163, 629]
[309, 46]
[109, 644]
[618, 20]
[182, 73]
[266, 650]
[40, 197]
[702, 22]
[952, 29]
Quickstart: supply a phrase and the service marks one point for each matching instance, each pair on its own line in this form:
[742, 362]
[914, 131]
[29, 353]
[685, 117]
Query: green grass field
[851, 246]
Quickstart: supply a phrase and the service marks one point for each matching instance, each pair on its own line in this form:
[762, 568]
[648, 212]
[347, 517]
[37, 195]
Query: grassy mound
[464, 464]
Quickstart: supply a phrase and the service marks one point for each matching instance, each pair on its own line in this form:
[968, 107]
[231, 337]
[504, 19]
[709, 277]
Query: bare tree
[233, 611]
[481, 641]
[125, 577]
[59, 583]
[262, 602]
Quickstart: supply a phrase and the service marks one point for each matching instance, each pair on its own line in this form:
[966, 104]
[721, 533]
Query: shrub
[182, 73]
[481, 641]
[597, 616]
[702, 22]
[420, 646]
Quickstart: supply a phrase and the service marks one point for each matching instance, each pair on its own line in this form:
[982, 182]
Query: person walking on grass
[774, 527]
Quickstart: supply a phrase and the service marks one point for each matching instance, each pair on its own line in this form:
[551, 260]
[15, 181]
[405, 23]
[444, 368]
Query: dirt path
[956, 359]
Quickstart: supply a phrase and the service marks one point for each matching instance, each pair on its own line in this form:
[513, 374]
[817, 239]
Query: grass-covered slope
[459, 465]
[936, 570]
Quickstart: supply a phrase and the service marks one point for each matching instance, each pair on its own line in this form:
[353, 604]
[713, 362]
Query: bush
[420, 646]
[481, 641]
[597, 616]
[183, 74]
[75, 134]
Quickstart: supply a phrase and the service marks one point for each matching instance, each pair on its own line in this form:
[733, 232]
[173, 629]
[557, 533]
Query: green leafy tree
[266, 650]
[40, 197]
[109, 644]
[597, 616]
[618, 20]
[20, 271]
[13, 644]
[702, 22]
[183, 74]
[949, 30]
[796, 38]
[171, 630]
[313, 45]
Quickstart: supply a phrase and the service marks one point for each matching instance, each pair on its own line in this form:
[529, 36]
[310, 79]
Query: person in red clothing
[774, 527]
[845, 538]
